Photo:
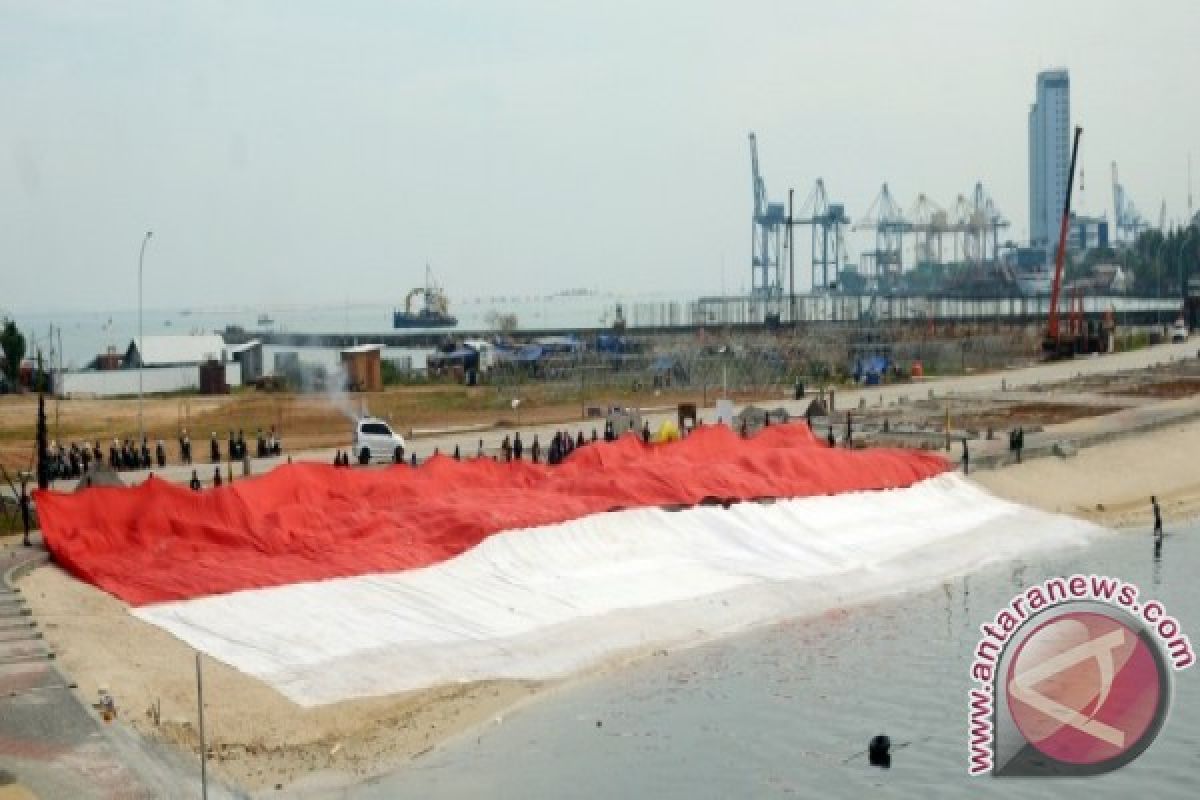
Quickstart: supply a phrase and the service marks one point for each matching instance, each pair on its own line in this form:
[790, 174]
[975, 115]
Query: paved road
[1024, 377]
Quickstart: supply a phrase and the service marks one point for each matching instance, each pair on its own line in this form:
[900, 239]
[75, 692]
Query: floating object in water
[879, 752]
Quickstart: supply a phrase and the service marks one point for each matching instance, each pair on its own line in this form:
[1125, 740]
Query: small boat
[264, 320]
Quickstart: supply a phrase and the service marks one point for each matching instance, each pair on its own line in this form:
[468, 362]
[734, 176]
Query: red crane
[1052, 345]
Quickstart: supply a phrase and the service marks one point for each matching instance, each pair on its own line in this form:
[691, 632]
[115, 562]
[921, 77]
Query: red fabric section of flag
[304, 522]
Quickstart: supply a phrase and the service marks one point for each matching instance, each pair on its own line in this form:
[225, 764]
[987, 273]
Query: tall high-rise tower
[1049, 156]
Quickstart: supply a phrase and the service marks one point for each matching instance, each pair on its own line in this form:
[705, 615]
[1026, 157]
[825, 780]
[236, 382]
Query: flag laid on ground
[332, 583]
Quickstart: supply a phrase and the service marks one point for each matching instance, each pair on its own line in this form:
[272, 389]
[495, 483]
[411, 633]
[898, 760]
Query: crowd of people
[76, 460]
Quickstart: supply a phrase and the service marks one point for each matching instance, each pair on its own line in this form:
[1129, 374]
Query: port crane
[886, 218]
[766, 234]
[1129, 221]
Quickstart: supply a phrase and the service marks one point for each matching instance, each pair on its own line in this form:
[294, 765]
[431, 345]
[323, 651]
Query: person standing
[506, 448]
[479, 452]
[214, 449]
[160, 454]
[1158, 528]
[831, 438]
[195, 482]
[25, 515]
[216, 476]
[518, 446]
[535, 449]
[966, 458]
[1020, 443]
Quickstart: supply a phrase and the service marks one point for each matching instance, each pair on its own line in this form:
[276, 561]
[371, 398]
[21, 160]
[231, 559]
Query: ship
[435, 310]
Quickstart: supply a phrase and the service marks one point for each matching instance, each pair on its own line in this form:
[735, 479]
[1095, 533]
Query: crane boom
[1052, 325]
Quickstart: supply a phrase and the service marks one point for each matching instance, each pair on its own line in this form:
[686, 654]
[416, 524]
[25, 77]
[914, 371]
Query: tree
[12, 342]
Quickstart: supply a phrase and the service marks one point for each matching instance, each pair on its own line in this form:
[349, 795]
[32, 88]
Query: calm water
[787, 712]
[86, 334]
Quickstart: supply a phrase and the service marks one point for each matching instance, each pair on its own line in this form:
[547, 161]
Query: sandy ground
[1111, 484]
[260, 739]
[257, 737]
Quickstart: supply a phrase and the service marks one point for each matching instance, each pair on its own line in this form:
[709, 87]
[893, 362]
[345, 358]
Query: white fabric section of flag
[544, 602]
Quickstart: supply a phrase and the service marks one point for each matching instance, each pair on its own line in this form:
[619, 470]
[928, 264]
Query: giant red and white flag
[332, 583]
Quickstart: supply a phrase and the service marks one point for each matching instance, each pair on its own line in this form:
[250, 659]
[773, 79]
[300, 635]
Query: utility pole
[203, 744]
[791, 263]
[43, 477]
[141, 338]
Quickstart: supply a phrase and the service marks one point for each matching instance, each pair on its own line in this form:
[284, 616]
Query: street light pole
[141, 340]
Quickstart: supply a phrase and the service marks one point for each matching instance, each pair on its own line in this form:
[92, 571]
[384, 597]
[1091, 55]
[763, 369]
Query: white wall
[155, 380]
[330, 357]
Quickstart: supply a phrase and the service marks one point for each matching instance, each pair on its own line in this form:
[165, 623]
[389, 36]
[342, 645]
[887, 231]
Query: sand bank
[258, 738]
[1111, 484]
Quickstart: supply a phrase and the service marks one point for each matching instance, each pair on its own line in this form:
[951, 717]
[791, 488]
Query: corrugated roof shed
[166, 350]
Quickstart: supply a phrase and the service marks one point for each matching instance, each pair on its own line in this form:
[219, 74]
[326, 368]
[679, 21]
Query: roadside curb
[31, 560]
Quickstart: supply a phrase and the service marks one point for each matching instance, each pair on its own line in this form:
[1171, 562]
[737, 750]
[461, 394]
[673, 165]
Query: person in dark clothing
[185, 448]
[232, 448]
[554, 455]
[214, 449]
[413, 459]
[398, 454]
[241, 445]
[579, 439]
[25, 515]
[86, 455]
[518, 446]
[831, 438]
[646, 432]
[535, 449]
[195, 482]
[609, 433]
[479, 452]
[337, 458]
[260, 444]
[594, 437]
[113, 456]
[145, 454]
[966, 457]
[506, 448]
[160, 454]
[216, 476]
[1020, 443]
[568, 446]
[457, 454]
[1158, 528]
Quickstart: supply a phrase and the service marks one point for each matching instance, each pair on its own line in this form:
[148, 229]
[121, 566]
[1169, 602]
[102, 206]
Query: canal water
[788, 711]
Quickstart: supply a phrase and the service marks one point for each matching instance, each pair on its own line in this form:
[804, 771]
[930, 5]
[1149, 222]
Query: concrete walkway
[51, 745]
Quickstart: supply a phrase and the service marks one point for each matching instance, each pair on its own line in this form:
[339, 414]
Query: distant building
[1049, 156]
[168, 364]
[250, 356]
[363, 365]
[1087, 233]
[174, 351]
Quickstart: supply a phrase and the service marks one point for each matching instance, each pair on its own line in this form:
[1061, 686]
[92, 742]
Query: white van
[1179, 333]
[375, 440]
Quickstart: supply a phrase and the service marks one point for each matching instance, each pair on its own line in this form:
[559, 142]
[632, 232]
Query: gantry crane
[766, 234]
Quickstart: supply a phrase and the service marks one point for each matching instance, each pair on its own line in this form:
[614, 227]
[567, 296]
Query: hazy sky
[304, 152]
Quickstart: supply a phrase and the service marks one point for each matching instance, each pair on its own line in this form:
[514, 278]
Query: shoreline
[258, 740]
